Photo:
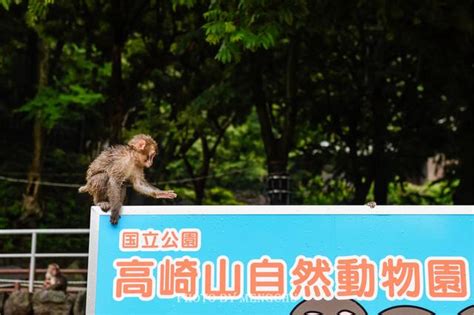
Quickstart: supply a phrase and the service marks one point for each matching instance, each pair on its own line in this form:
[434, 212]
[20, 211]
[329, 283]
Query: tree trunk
[464, 193]
[357, 170]
[116, 108]
[361, 191]
[199, 179]
[277, 149]
[380, 160]
[31, 197]
[276, 153]
[199, 190]
[358, 174]
[117, 99]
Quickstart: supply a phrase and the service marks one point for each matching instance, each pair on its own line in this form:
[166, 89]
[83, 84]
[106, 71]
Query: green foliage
[242, 151]
[5, 4]
[435, 193]
[68, 98]
[53, 106]
[10, 204]
[320, 191]
[369, 97]
[37, 10]
[221, 196]
[250, 25]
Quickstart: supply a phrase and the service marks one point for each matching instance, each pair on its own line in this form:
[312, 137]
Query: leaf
[224, 55]
[5, 4]
[53, 106]
[236, 37]
[213, 39]
[229, 27]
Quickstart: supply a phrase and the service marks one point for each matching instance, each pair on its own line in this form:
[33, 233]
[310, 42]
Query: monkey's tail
[83, 189]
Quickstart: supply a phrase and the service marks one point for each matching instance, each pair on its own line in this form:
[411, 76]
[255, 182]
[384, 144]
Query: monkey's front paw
[165, 194]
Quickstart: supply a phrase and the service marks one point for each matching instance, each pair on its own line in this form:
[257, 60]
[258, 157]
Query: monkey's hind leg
[104, 205]
[99, 183]
[115, 193]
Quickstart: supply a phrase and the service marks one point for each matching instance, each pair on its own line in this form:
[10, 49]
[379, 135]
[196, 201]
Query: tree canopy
[251, 101]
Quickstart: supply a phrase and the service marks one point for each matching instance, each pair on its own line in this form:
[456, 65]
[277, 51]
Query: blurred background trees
[338, 102]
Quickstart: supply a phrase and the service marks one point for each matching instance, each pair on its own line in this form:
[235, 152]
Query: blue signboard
[282, 260]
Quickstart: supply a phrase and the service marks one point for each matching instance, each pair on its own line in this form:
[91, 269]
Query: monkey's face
[149, 157]
[146, 156]
[53, 271]
[147, 149]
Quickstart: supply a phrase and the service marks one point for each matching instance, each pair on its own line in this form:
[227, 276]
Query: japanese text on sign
[349, 277]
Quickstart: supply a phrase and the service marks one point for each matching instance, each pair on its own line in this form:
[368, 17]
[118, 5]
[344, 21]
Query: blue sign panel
[282, 260]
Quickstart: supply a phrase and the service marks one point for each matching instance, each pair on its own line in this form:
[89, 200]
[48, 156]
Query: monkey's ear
[140, 144]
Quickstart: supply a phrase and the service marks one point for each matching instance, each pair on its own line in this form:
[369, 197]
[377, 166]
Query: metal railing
[33, 254]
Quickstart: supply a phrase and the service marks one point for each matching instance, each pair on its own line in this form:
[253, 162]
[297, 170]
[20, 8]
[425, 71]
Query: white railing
[33, 254]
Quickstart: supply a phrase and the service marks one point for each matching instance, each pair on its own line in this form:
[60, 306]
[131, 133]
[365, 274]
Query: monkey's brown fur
[115, 166]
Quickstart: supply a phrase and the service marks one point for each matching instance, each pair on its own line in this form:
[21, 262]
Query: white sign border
[96, 213]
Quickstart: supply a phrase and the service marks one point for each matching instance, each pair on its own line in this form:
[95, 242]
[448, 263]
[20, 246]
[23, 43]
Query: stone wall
[44, 302]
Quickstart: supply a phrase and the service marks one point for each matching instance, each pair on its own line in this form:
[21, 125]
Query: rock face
[18, 303]
[47, 302]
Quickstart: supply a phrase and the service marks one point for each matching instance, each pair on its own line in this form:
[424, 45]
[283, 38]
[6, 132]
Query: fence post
[31, 278]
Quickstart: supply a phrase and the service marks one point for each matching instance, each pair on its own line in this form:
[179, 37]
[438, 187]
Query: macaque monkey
[54, 280]
[108, 173]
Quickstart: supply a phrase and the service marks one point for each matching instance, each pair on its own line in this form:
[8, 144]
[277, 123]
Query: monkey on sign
[108, 173]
